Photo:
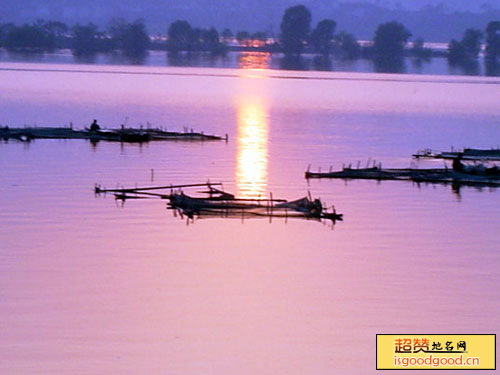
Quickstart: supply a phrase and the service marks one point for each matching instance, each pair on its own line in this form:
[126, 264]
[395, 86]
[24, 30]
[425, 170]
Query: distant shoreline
[250, 58]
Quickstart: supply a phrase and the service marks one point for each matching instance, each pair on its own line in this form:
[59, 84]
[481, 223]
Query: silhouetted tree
[131, 38]
[322, 36]
[456, 51]
[390, 40]
[492, 61]
[58, 32]
[210, 41]
[467, 49]
[57, 28]
[295, 28]
[196, 39]
[419, 51]
[493, 41]
[261, 36]
[33, 37]
[85, 39]
[243, 38]
[115, 30]
[209, 38]
[388, 47]
[347, 46]
[4, 30]
[180, 36]
[227, 35]
[472, 42]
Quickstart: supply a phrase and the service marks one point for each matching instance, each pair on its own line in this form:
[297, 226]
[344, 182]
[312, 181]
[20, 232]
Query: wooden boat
[219, 203]
[127, 135]
[471, 154]
[488, 177]
[239, 207]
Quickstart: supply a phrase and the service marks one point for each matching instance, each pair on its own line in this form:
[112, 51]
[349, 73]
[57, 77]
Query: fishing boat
[471, 154]
[216, 202]
[474, 176]
[125, 135]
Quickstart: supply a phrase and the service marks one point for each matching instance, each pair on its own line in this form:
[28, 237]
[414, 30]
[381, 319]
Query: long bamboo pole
[130, 190]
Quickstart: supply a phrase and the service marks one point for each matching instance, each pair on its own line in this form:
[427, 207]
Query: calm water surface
[90, 287]
[251, 59]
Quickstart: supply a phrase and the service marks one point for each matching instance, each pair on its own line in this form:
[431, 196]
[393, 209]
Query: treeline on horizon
[297, 36]
[84, 40]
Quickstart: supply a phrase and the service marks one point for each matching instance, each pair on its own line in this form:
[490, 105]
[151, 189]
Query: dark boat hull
[490, 177]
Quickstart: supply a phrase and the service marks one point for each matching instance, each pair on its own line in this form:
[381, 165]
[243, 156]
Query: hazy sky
[263, 15]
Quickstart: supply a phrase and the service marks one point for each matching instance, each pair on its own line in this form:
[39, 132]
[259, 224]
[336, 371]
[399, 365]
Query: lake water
[434, 66]
[88, 286]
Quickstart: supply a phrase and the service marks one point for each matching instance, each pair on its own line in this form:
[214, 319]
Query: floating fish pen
[216, 202]
[475, 176]
[471, 154]
[126, 135]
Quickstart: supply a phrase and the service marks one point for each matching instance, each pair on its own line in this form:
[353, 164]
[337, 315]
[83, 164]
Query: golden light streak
[252, 153]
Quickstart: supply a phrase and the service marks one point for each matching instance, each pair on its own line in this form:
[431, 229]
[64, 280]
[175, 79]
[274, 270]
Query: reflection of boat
[217, 202]
[490, 176]
[466, 154]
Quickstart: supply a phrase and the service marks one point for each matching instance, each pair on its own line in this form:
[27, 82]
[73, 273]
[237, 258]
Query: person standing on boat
[457, 165]
[95, 127]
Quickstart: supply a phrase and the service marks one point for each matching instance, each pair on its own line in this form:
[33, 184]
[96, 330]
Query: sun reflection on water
[254, 60]
[252, 154]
